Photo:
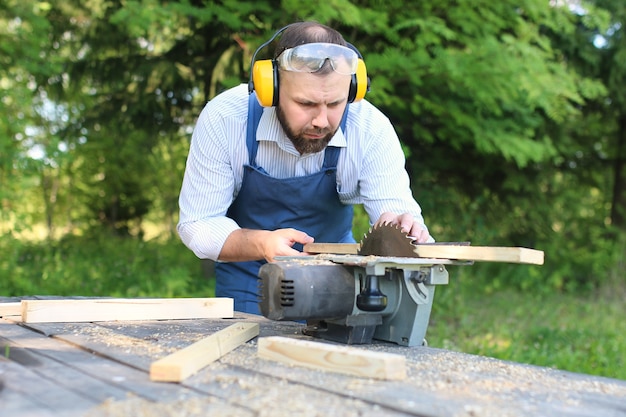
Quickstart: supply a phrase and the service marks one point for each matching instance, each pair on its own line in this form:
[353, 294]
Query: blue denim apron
[309, 203]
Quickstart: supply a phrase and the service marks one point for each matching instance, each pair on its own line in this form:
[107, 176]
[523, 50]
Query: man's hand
[251, 245]
[280, 243]
[407, 224]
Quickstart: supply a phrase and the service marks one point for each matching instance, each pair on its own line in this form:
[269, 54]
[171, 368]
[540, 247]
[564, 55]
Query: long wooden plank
[113, 309]
[186, 362]
[333, 358]
[481, 253]
[446, 251]
[10, 309]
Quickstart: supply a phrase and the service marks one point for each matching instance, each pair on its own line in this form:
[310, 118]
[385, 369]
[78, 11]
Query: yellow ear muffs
[264, 77]
[265, 82]
[359, 84]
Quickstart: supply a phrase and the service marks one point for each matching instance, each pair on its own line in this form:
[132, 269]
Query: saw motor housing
[353, 299]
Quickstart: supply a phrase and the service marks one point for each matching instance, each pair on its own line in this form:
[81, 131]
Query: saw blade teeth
[387, 239]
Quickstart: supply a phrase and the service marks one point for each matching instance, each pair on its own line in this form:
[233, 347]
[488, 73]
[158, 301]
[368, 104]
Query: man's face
[310, 107]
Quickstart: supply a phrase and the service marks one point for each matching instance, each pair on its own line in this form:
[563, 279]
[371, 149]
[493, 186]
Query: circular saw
[387, 240]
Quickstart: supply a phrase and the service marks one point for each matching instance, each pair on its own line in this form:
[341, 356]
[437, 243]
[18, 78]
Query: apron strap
[255, 111]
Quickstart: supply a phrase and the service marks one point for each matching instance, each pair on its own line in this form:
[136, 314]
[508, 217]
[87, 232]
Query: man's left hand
[407, 224]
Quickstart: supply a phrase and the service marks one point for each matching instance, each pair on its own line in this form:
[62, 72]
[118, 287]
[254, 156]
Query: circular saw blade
[387, 240]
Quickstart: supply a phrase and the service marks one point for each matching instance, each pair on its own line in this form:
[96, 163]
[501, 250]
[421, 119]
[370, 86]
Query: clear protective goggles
[310, 57]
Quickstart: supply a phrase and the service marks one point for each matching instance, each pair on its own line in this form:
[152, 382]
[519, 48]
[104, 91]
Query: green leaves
[487, 70]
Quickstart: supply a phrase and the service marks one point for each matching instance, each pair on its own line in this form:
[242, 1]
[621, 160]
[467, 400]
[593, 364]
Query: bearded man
[280, 162]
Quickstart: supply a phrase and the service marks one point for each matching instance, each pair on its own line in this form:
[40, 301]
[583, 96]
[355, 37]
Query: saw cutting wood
[388, 240]
[381, 288]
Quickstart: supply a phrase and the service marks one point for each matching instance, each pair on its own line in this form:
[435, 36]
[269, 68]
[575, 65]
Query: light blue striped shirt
[370, 170]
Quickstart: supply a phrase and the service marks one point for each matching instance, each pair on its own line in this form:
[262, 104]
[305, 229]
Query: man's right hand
[252, 245]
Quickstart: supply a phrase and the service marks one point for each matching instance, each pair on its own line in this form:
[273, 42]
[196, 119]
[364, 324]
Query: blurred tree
[610, 115]
[134, 76]
[23, 32]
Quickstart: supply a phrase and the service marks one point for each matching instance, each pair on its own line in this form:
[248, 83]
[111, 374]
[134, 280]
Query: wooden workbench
[102, 369]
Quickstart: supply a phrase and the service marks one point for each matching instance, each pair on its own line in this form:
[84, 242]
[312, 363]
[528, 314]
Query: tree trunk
[618, 205]
[50, 186]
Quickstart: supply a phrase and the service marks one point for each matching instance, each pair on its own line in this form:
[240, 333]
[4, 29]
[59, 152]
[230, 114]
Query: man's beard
[302, 144]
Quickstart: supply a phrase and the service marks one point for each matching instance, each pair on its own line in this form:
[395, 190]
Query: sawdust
[475, 374]
[451, 384]
[500, 388]
[270, 404]
[151, 344]
[439, 382]
[127, 344]
[139, 407]
[247, 394]
[308, 260]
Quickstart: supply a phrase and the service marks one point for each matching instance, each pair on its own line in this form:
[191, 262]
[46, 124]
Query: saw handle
[371, 298]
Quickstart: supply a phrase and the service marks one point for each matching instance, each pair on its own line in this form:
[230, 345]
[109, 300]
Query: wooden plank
[112, 309]
[336, 248]
[481, 253]
[186, 362]
[10, 309]
[333, 358]
[75, 368]
[446, 251]
[52, 383]
[24, 393]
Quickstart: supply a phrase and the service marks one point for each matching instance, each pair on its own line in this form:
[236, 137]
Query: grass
[576, 331]
[101, 265]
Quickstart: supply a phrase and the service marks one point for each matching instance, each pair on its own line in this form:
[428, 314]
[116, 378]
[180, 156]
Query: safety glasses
[310, 57]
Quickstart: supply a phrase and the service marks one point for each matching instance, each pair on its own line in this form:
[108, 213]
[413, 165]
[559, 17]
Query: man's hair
[307, 32]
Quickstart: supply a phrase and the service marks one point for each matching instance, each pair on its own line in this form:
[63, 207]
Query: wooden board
[186, 362]
[62, 366]
[333, 358]
[77, 388]
[10, 309]
[111, 309]
[443, 251]
[25, 393]
[481, 253]
[338, 248]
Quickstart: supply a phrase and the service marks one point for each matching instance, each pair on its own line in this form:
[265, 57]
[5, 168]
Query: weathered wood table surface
[102, 369]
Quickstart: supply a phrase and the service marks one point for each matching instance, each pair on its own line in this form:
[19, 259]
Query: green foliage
[475, 75]
[579, 332]
[572, 229]
[102, 264]
[328, 11]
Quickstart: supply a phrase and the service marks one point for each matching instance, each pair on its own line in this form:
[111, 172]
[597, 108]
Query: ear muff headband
[264, 77]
